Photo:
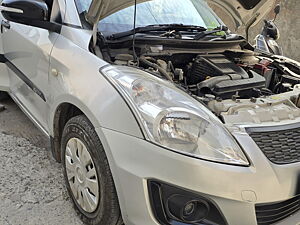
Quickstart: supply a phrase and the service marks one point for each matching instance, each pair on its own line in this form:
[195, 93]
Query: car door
[4, 79]
[27, 51]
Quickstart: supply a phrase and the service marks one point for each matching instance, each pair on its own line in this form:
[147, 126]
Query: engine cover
[244, 87]
[206, 66]
[217, 75]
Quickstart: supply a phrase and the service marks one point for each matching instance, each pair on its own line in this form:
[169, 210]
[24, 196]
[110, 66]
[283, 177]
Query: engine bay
[222, 79]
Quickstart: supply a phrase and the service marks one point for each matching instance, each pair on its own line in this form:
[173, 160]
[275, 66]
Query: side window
[83, 5]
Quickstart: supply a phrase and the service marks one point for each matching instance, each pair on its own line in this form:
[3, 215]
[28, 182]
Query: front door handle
[4, 24]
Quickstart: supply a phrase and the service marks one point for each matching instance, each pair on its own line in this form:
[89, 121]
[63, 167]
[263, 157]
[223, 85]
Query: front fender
[80, 83]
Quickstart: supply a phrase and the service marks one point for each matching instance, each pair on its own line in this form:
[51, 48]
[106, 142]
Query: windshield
[186, 12]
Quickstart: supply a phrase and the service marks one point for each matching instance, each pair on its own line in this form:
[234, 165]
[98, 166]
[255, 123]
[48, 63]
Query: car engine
[230, 82]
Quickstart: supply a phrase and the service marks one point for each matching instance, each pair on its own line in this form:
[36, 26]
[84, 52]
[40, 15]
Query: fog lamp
[186, 209]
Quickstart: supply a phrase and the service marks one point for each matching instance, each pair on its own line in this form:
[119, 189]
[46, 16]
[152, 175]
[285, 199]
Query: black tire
[3, 95]
[108, 210]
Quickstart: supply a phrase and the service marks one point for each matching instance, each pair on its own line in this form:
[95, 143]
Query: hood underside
[100, 9]
[243, 12]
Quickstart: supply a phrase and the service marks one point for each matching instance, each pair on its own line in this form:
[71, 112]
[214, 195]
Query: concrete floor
[32, 189]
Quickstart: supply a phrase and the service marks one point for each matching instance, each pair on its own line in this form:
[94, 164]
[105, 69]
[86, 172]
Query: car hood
[100, 9]
[243, 12]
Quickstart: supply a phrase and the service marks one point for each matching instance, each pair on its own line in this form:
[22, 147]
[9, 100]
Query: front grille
[279, 146]
[267, 214]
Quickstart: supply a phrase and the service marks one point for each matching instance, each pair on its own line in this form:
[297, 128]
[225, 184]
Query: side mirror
[29, 12]
[24, 11]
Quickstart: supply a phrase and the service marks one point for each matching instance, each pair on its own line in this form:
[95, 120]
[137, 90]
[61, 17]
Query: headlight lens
[173, 119]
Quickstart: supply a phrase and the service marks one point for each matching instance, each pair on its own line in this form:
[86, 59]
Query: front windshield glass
[186, 12]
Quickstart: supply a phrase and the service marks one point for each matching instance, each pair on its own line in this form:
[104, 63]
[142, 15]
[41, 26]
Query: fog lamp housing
[173, 205]
[185, 208]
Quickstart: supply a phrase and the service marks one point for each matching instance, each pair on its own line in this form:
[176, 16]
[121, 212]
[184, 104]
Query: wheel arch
[68, 108]
[62, 114]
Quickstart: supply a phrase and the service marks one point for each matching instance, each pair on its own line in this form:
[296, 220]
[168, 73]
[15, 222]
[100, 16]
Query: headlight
[173, 119]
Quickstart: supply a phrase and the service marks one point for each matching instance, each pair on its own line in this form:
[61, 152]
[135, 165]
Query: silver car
[158, 113]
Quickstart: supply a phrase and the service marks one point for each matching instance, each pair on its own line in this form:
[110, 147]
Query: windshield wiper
[208, 32]
[156, 27]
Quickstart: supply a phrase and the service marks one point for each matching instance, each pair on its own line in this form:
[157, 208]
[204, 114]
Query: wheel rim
[82, 175]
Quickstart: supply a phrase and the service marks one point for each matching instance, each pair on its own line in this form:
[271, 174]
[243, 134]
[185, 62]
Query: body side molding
[22, 76]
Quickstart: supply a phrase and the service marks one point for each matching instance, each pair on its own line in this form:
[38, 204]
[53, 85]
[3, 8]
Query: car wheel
[3, 95]
[87, 173]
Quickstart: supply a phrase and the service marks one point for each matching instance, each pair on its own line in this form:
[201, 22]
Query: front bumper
[235, 190]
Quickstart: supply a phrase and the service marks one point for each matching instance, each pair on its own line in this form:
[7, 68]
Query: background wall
[288, 22]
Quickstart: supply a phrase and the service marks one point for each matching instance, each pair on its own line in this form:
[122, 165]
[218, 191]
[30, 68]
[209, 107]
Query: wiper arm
[208, 32]
[137, 30]
[156, 27]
